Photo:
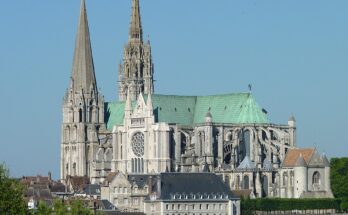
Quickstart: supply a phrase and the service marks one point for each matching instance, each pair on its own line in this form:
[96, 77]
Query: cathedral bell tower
[136, 70]
[83, 108]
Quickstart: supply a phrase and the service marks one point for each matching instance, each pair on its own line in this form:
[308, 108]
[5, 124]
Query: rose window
[138, 144]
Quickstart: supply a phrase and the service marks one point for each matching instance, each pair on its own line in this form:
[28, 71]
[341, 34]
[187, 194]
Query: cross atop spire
[83, 76]
[135, 31]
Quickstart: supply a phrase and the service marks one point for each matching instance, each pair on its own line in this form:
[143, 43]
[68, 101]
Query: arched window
[80, 115]
[246, 182]
[71, 115]
[74, 169]
[285, 179]
[139, 165]
[316, 178]
[67, 134]
[91, 114]
[67, 169]
[133, 164]
[238, 182]
[246, 141]
[292, 179]
[142, 165]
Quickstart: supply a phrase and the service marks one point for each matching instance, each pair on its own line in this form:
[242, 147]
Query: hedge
[277, 204]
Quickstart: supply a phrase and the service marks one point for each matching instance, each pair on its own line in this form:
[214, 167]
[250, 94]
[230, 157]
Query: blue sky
[294, 53]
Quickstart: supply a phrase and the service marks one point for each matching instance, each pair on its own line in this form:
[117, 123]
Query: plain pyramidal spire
[135, 31]
[83, 75]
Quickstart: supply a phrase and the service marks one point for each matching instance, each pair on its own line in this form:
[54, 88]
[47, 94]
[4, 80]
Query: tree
[77, 208]
[59, 207]
[43, 209]
[11, 194]
[339, 177]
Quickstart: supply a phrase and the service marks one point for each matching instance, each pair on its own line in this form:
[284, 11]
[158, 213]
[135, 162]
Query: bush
[344, 204]
[249, 206]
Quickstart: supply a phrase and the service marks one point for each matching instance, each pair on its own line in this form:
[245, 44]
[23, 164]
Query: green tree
[11, 194]
[77, 208]
[59, 208]
[339, 177]
[43, 209]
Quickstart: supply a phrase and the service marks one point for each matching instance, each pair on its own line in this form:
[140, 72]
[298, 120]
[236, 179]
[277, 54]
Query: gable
[293, 154]
[120, 180]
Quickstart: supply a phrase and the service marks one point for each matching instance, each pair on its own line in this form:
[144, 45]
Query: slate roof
[38, 192]
[139, 180]
[246, 164]
[106, 205]
[267, 164]
[235, 108]
[318, 161]
[300, 162]
[207, 184]
[92, 189]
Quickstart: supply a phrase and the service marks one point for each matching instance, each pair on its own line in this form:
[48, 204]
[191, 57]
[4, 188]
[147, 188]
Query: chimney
[49, 176]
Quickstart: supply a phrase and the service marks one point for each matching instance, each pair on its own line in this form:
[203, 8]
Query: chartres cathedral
[148, 133]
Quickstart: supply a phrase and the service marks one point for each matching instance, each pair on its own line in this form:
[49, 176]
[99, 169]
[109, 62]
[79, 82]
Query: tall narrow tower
[136, 70]
[83, 108]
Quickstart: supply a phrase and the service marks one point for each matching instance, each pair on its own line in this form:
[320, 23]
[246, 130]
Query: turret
[292, 130]
[300, 171]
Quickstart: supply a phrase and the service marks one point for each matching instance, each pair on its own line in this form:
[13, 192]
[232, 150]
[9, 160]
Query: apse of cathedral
[148, 133]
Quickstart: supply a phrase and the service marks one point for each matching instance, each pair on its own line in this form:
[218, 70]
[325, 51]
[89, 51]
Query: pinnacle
[83, 75]
[135, 31]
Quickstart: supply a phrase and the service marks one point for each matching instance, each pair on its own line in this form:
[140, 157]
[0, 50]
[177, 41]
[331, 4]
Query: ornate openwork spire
[83, 76]
[135, 31]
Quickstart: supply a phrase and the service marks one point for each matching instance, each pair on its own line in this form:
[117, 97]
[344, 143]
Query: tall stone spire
[135, 31]
[136, 70]
[83, 110]
[83, 76]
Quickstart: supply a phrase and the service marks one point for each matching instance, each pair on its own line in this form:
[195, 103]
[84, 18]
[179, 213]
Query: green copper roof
[237, 108]
[174, 109]
[114, 114]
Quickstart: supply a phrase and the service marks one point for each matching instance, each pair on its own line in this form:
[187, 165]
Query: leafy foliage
[11, 194]
[249, 206]
[43, 209]
[339, 177]
[344, 204]
[59, 208]
[77, 208]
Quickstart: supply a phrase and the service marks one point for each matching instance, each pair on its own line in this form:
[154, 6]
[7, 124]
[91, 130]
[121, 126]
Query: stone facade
[147, 134]
[168, 193]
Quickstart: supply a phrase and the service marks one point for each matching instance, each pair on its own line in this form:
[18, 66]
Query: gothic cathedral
[147, 133]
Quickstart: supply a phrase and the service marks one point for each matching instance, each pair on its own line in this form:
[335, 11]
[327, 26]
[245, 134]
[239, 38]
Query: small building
[191, 193]
[304, 174]
[126, 191]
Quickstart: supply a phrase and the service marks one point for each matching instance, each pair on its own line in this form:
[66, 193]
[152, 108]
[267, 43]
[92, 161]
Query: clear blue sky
[294, 52]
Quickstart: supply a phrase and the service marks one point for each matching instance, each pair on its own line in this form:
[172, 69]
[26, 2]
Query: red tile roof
[293, 154]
